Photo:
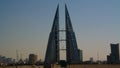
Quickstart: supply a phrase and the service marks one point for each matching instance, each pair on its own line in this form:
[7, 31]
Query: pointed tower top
[56, 19]
[67, 19]
[58, 6]
[66, 7]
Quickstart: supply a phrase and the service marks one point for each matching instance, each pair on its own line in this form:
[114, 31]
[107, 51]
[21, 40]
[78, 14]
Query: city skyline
[25, 26]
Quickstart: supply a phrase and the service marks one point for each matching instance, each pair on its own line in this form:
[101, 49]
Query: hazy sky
[25, 25]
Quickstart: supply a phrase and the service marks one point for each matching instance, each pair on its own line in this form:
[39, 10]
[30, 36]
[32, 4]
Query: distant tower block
[32, 59]
[114, 55]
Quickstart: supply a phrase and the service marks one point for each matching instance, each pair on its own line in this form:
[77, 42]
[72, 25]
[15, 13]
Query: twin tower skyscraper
[53, 49]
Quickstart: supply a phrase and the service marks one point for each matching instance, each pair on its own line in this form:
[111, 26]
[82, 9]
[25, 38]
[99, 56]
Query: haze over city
[26, 24]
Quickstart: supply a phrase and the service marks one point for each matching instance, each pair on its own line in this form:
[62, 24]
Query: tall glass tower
[52, 53]
[71, 43]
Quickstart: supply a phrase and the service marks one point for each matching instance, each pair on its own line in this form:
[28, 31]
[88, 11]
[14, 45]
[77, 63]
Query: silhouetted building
[81, 55]
[52, 52]
[21, 62]
[114, 55]
[32, 59]
[5, 61]
[91, 59]
[72, 53]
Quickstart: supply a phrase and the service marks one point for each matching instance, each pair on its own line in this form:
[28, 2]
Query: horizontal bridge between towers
[62, 40]
[62, 30]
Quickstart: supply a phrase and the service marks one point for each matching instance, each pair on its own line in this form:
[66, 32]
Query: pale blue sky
[25, 25]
